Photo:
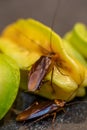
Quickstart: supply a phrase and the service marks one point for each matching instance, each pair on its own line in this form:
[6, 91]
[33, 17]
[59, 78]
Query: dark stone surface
[74, 117]
[68, 13]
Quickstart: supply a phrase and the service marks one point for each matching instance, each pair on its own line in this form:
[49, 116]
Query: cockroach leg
[23, 128]
[59, 69]
[28, 125]
[52, 79]
[54, 117]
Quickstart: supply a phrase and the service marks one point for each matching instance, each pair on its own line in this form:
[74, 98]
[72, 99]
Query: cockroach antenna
[56, 12]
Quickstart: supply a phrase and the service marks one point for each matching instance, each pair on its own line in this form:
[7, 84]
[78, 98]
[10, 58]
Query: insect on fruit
[39, 71]
[52, 56]
[43, 65]
[46, 63]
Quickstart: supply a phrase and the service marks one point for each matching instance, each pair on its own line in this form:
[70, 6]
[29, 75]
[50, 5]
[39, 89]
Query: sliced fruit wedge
[21, 55]
[38, 38]
[78, 38]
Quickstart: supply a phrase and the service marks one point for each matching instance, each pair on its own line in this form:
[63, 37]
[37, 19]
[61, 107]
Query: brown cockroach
[45, 64]
[39, 70]
[41, 109]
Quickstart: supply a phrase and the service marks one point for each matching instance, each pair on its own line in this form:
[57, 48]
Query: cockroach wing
[37, 72]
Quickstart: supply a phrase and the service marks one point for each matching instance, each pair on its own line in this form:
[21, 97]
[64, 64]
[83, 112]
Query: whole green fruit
[9, 83]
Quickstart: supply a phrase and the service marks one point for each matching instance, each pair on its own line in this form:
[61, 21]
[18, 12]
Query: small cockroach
[41, 109]
[45, 63]
[39, 70]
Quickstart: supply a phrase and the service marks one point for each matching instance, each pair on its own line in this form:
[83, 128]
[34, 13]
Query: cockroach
[44, 65]
[39, 70]
[41, 109]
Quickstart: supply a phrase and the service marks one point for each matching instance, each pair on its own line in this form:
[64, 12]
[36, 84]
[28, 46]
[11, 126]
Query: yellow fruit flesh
[35, 37]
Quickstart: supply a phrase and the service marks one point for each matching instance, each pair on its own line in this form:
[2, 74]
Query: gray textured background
[68, 13]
